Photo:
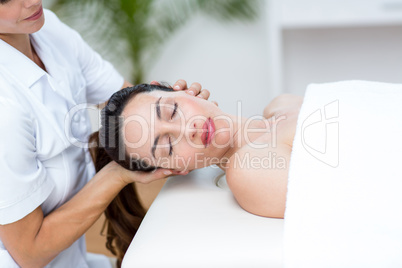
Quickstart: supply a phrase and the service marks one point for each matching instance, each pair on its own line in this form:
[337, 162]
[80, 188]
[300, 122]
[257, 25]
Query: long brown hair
[125, 213]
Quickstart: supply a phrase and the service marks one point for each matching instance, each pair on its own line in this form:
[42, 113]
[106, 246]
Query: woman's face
[21, 16]
[175, 130]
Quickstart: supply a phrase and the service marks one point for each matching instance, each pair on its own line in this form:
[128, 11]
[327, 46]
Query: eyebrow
[158, 108]
[158, 114]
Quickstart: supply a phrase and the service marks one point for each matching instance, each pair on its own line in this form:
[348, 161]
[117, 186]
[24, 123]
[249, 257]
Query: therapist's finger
[153, 82]
[194, 89]
[214, 102]
[147, 177]
[180, 85]
[184, 172]
[158, 174]
[204, 94]
[128, 176]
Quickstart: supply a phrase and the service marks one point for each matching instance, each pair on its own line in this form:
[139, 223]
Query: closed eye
[174, 110]
[170, 147]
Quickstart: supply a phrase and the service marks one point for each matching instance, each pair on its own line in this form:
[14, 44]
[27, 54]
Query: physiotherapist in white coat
[49, 194]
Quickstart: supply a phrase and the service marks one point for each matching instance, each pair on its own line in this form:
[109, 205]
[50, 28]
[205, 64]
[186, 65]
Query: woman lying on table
[150, 126]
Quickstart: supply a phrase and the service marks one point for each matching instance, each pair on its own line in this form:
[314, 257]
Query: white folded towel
[344, 201]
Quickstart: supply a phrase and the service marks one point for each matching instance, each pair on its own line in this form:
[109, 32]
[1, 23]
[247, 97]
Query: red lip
[208, 132]
[36, 15]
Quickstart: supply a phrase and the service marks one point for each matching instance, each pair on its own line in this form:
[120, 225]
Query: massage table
[196, 222]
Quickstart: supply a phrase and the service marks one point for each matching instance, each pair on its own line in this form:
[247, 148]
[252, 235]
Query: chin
[37, 25]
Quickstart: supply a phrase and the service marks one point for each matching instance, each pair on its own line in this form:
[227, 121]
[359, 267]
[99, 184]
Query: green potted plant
[135, 30]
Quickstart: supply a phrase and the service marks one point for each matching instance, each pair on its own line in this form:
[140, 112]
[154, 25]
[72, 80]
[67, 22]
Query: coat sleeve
[23, 182]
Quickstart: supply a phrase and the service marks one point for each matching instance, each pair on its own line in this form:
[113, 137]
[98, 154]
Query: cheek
[9, 13]
[11, 22]
[223, 135]
[6, 24]
[184, 156]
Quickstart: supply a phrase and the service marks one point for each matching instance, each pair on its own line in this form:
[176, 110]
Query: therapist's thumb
[147, 177]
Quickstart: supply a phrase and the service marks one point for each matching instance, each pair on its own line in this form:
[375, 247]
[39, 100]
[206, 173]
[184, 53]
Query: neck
[21, 42]
[246, 131]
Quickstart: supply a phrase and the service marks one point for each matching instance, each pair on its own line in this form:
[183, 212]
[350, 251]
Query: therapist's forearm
[78, 214]
[61, 228]
[35, 240]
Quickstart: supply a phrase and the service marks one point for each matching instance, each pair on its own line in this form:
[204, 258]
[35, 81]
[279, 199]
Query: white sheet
[344, 202]
[193, 223]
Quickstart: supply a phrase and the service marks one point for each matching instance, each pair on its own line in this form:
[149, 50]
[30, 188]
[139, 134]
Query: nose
[178, 130]
[191, 131]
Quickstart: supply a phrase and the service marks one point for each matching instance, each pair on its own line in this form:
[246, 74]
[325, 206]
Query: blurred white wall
[332, 40]
[229, 59]
[325, 55]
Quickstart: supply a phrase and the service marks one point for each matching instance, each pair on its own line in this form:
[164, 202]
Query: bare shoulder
[283, 104]
[258, 179]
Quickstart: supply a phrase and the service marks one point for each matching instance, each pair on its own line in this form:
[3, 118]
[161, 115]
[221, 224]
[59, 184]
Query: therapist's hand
[195, 89]
[127, 176]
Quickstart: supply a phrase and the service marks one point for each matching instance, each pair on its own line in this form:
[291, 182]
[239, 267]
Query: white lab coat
[42, 160]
